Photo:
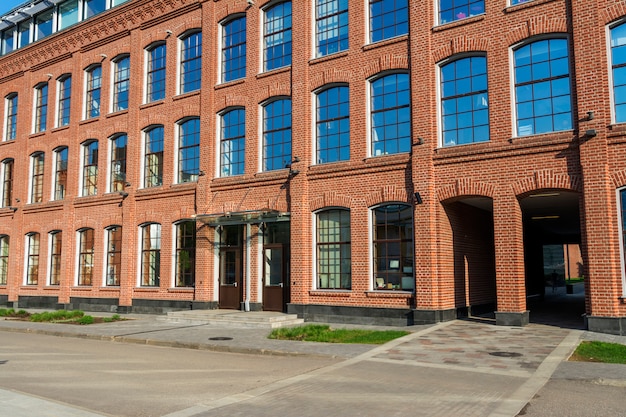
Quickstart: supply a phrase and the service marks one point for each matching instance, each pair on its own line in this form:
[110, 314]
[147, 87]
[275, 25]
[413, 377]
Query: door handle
[235, 284]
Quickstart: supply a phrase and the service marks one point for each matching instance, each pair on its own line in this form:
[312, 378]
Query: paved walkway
[464, 368]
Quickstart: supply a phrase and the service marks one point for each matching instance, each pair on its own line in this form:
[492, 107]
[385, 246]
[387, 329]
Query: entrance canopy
[265, 215]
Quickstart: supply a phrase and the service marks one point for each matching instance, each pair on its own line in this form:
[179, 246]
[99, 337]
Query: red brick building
[367, 161]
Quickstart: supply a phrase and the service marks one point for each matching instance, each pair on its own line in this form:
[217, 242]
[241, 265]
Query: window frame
[332, 123]
[183, 149]
[55, 251]
[285, 156]
[120, 83]
[342, 42]
[534, 82]
[40, 103]
[148, 155]
[340, 244]
[239, 140]
[150, 256]
[372, 17]
[8, 167]
[64, 100]
[403, 142]
[10, 117]
[59, 185]
[93, 92]
[85, 259]
[5, 248]
[460, 11]
[155, 76]
[284, 34]
[188, 278]
[460, 98]
[113, 267]
[37, 169]
[32, 252]
[239, 49]
[621, 24]
[117, 162]
[194, 62]
[88, 156]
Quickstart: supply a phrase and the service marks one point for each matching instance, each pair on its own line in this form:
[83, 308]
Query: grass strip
[323, 333]
[600, 352]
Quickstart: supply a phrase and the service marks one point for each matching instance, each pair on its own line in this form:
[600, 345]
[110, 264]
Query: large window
[114, 255]
[7, 182]
[277, 134]
[153, 163]
[388, 19]
[233, 143]
[24, 34]
[93, 7]
[618, 62]
[4, 259]
[94, 90]
[450, 10]
[90, 168]
[390, 114]
[85, 256]
[56, 241]
[393, 247]
[44, 23]
[234, 49]
[7, 37]
[41, 107]
[68, 14]
[331, 26]
[464, 101]
[333, 125]
[118, 163]
[64, 87]
[155, 88]
[36, 177]
[32, 260]
[333, 249]
[189, 150]
[10, 123]
[60, 173]
[190, 62]
[121, 83]
[185, 254]
[277, 36]
[151, 255]
[542, 87]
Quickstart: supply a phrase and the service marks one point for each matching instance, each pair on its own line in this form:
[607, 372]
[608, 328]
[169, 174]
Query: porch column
[509, 255]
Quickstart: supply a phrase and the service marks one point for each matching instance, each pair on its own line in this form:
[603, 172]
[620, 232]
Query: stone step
[233, 318]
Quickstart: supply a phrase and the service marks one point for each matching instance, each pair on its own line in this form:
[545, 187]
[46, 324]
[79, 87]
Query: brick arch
[459, 45]
[547, 179]
[385, 63]
[233, 100]
[387, 193]
[466, 187]
[613, 12]
[330, 76]
[112, 220]
[231, 11]
[154, 118]
[619, 178]
[193, 24]
[330, 199]
[117, 127]
[274, 90]
[159, 36]
[537, 25]
[185, 112]
[148, 217]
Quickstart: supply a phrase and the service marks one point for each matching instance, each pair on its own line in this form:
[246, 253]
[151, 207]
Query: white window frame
[51, 235]
[58, 99]
[81, 183]
[37, 95]
[31, 175]
[622, 239]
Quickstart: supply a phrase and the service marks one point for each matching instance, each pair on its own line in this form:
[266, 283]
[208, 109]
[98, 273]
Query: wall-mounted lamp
[127, 184]
[590, 115]
[17, 200]
[103, 56]
[201, 173]
[49, 76]
[418, 198]
[250, 3]
[13, 209]
[591, 133]
[420, 141]
[124, 194]
[168, 33]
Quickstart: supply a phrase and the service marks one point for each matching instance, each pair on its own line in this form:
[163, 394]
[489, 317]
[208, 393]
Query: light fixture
[49, 76]
[418, 198]
[545, 195]
[590, 115]
[13, 209]
[103, 56]
[552, 217]
[591, 133]
[201, 173]
[250, 3]
[168, 33]
[124, 194]
[420, 141]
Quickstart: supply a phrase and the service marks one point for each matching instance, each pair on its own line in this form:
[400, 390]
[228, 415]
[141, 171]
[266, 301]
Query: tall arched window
[618, 67]
[185, 273]
[333, 242]
[190, 62]
[333, 124]
[32, 260]
[233, 142]
[390, 107]
[85, 256]
[276, 134]
[189, 150]
[151, 255]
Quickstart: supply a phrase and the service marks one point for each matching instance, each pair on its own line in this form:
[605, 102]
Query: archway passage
[552, 255]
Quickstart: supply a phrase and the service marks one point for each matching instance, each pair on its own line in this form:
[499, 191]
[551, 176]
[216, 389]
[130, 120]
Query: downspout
[246, 302]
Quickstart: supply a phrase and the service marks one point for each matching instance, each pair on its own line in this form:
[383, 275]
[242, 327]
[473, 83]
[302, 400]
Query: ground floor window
[56, 239]
[151, 255]
[185, 254]
[85, 257]
[393, 247]
[333, 249]
[114, 255]
[32, 269]
[4, 259]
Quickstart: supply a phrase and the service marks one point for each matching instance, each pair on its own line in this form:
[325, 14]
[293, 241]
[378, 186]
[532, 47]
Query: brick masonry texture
[469, 233]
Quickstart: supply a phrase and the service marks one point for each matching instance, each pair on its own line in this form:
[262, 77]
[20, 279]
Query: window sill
[384, 42]
[37, 134]
[398, 158]
[460, 22]
[330, 293]
[82, 288]
[230, 83]
[180, 290]
[151, 104]
[388, 294]
[274, 72]
[90, 120]
[186, 95]
[147, 289]
[525, 5]
[329, 57]
[117, 113]
[60, 128]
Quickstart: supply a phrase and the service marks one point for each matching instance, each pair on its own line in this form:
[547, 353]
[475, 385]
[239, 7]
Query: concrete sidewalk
[460, 367]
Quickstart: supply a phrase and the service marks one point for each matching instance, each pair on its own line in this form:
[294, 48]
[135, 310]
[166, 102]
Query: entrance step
[233, 318]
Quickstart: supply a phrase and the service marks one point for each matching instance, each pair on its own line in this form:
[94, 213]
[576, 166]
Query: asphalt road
[121, 379]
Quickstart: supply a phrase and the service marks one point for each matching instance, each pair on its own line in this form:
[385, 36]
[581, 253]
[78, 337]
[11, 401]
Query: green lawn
[600, 352]
[323, 333]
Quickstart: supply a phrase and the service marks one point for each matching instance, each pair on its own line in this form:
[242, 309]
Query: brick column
[509, 247]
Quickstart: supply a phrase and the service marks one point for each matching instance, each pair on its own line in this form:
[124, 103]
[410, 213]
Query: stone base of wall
[163, 306]
[24, 302]
[609, 325]
[505, 318]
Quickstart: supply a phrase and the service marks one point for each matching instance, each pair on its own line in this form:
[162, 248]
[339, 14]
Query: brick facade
[472, 228]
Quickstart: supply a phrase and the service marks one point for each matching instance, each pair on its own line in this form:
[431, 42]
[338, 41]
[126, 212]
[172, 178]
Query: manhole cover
[220, 338]
[505, 354]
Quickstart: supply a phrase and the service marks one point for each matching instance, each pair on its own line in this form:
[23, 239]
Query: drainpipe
[246, 302]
